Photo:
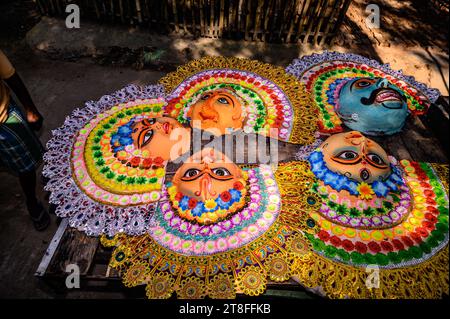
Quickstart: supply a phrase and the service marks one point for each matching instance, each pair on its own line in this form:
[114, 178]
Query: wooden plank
[232, 11]
[59, 7]
[113, 11]
[257, 34]
[192, 9]
[146, 13]
[273, 28]
[52, 7]
[340, 18]
[267, 19]
[173, 3]
[321, 18]
[288, 13]
[129, 13]
[165, 16]
[41, 7]
[221, 18]
[183, 6]
[240, 16]
[311, 18]
[293, 21]
[202, 19]
[211, 30]
[303, 14]
[248, 13]
[51, 249]
[330, 22]
[138, 11]
[122, 17]
[75, 248]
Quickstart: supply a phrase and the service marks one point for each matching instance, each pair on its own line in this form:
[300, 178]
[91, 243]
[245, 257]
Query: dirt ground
[64, 68]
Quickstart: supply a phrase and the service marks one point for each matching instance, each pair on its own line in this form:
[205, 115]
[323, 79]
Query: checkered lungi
[20, 149]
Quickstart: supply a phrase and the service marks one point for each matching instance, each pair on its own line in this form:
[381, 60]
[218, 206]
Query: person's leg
[39, 215]
[21, 152]
[28, 184]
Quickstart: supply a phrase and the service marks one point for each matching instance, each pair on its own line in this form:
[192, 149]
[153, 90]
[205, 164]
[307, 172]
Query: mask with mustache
[372, 106]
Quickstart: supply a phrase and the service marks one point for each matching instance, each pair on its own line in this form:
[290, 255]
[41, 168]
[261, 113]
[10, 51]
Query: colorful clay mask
[219, 111]
[368, 103]
[356, 157]
[401, 234]
[208, 187]
[356, 165]
[154, 137]
[360, 93]
[228, 94]
[193, 255]
[99, 178]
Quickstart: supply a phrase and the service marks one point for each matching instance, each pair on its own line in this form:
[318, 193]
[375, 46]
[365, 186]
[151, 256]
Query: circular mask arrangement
[376, 212]
[223, 95]
[218, 227]
[210, 227]
[324, 223]
[115, 159]
[105, 171]
[360, 93]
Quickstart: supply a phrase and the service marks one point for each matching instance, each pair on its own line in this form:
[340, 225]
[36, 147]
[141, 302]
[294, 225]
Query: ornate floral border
[298, 66]
[83, 213]
[303, 127]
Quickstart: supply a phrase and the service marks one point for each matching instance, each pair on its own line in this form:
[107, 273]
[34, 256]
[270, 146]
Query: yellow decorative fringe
[222, 275]
[305, 119]
[442, 171]
[427, 280]
[281, 253]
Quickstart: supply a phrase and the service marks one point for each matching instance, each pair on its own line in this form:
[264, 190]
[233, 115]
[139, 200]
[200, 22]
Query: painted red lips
[388, 95]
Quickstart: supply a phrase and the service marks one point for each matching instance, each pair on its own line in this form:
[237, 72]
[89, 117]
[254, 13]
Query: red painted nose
[205, 187]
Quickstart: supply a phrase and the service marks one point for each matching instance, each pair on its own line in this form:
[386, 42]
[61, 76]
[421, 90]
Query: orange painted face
[154, 135]
[217, 111]
[206, 175]
[355, 156]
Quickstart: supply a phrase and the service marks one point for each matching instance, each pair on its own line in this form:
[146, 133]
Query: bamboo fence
[287, 21]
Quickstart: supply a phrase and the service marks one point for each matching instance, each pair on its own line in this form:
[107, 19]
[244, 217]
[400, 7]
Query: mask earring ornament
[360, 93]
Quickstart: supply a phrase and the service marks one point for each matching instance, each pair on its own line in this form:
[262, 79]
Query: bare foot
[35, 120]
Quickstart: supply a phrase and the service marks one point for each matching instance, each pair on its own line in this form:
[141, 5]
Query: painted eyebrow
[351, 85]
[226, 97]
[345, 148]
[371, 151]
[198, 166]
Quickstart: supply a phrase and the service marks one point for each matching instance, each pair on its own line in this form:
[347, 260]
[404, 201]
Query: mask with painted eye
[157, 135]
[208, 177]
[218, 111]
[355, 156]
[372, 106]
